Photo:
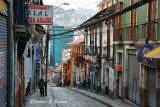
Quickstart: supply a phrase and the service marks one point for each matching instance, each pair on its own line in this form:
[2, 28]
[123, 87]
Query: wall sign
[40, 14]
[141, 50]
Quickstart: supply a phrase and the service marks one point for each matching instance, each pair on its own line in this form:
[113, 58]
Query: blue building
[58, 43]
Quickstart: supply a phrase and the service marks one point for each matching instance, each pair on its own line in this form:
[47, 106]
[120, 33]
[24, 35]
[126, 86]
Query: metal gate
[3, 60]
[133, 79]
[151, 87]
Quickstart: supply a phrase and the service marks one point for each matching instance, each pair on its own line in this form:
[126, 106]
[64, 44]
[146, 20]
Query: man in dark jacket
[41, 86]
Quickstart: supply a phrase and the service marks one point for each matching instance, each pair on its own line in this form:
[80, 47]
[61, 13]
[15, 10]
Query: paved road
[63, 97]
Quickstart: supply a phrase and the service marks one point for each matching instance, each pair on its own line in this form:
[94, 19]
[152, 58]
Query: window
[152, 10]
[134, 14]
[108, 3]
[114, 1]
[120, 59]
[102, 7]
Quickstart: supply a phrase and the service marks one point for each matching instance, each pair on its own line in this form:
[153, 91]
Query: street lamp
[65, 3]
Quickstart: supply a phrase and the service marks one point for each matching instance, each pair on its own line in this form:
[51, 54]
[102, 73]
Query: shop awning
[153, 54]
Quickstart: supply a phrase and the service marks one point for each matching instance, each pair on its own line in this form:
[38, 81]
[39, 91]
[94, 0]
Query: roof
[100, 14]
[78, 41]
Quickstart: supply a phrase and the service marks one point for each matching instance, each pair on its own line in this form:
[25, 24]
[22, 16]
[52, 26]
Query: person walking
[78, 83]
[68, 83]
[41, 86]
[89, 83]
[84, 84]
[45, 86]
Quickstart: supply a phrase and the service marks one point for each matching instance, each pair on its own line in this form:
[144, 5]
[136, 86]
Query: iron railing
[131, 33]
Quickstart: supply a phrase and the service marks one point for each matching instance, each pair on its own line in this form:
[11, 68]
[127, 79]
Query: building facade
[58, 43]
[119, 45]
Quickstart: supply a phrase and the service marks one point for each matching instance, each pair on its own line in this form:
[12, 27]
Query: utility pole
[47, 42]
[41, 57]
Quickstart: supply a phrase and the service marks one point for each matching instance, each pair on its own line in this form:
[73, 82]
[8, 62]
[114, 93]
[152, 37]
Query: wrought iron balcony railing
[149, 30]
[75, 54]
[131, 33]
[118, 35]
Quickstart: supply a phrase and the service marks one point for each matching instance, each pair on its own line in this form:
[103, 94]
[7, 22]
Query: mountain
[86, 12]
[71, 17]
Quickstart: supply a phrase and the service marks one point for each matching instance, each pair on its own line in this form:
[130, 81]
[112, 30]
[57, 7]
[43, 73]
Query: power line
[76, 3]
[127, 9]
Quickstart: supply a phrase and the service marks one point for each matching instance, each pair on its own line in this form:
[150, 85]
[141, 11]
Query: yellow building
[77, 62]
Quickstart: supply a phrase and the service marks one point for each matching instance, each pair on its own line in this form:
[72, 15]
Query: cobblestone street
[70, 97]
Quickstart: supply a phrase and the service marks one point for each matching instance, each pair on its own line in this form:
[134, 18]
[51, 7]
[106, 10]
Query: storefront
[3, 52]
[151, 86]
[148, 56]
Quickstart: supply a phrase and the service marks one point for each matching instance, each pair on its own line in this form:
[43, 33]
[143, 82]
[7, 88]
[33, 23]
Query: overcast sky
[74, 4]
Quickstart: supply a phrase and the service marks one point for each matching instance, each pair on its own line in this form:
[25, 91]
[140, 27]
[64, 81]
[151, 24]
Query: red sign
[119, 67]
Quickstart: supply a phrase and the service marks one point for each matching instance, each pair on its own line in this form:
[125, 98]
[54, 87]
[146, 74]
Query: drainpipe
[9, 57]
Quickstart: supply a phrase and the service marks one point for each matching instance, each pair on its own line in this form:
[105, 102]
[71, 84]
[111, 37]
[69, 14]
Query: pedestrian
[84, 84]
[68, 83]
[45, 85]
[77, 84]
[89, 83]
[41, 86]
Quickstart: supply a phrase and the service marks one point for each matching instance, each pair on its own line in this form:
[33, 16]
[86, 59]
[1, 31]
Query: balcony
[149, 30]
[75, 54]
[118, 35]
[131, 33]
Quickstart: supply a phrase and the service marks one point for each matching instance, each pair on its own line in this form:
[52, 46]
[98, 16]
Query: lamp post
[61, 5]
[47, 43]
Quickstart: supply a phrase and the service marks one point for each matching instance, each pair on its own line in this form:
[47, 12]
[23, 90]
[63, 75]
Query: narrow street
[62, 97]
[88, 53]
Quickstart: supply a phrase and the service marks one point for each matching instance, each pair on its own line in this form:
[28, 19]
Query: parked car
[53, 85]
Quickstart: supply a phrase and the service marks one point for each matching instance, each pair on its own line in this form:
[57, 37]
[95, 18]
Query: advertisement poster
[141, 50]
[38, 14]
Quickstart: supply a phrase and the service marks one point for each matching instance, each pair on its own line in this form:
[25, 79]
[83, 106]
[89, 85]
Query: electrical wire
[121, 12]
[76, 3]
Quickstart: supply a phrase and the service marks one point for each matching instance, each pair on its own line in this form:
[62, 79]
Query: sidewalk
[107, 101]
[35, 100]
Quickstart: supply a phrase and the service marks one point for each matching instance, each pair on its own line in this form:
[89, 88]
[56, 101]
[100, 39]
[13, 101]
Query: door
[120, 85]
[151, 87]
[3, 60]
[133, 79]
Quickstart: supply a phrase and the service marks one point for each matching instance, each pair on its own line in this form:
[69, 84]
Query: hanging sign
[40, 14]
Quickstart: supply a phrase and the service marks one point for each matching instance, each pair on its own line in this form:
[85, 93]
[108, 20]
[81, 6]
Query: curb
[107, 104]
